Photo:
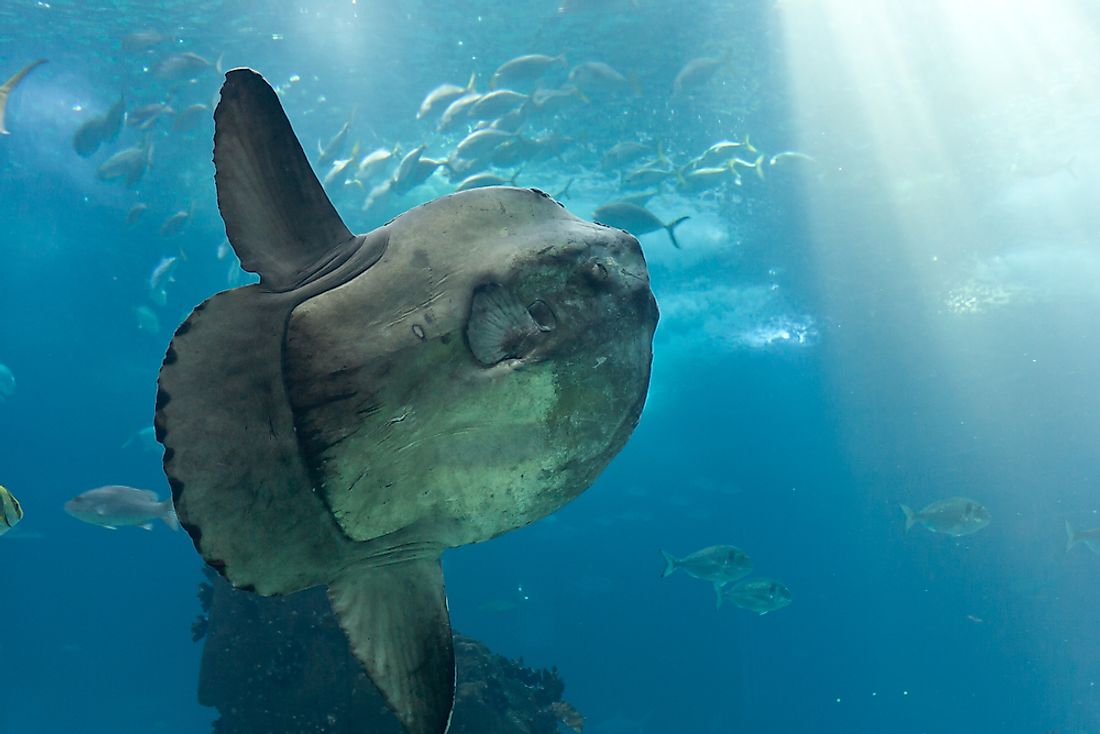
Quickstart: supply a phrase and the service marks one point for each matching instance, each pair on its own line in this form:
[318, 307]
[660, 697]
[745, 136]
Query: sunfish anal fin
[6, 87]
[277, 217]
[396, 619]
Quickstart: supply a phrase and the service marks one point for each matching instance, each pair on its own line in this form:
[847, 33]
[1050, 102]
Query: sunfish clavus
[464, 370]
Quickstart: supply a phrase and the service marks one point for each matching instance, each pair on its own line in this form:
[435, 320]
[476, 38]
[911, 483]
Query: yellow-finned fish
[10, 511]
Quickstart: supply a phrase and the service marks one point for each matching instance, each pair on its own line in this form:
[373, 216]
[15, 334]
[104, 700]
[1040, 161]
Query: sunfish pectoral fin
[277, 217]
[396, 618]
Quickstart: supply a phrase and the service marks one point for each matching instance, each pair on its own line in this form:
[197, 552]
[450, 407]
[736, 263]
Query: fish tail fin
[168, 514]
[515, 175]
[662, 159]
[680, 180]
[473, 80]
[671, 563]
[1071, 537]
[758, 166]
[718, 594]
[910, 517]
[672, 226]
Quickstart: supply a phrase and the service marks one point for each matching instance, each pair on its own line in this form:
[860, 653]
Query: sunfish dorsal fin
[277, 217]
[396, 620]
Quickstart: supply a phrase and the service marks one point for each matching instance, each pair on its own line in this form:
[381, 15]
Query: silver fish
[443, 95]
[129, 165]
[457, 110]
[524, 71]
[117, 505]
[147, 320]
[328, 153]
[174, 224]
[184, 65]
[623, 153]
[495, 104]
[758, 595]
[718, 564]
[698, 71]
[100, 129]
[1090, 538]
[597, 77]
[953, 516]
[635, 219]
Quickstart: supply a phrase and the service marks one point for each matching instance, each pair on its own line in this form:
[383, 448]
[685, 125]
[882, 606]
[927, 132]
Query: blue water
[813, 369]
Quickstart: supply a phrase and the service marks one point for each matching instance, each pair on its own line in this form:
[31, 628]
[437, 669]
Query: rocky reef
[283, 666]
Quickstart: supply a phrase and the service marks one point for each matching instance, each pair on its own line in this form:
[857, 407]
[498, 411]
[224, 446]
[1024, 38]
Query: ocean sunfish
[464, 370]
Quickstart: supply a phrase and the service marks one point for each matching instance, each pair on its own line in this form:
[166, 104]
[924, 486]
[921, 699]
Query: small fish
[116, 505]
[1091, 538]
[7, 87]
[328, 153]
[757, 165]
[189, 117]
[184, 65]
[10, 511]
[147, 320]
[480, 144]
[146, 116]
[550, 101]
[145, 439]
[129, 165]
[160, 276]
[524, 71]
[624, 153]
[443, 95]
[635, 219]
[135, 212]
[717, 154]
[100, 129]
[141, 41]
[758, 595]
[701, 179]
[698, 71]
[497, 103]
[412, 171]
[718, 564]
[646, 176]
[480, 180]
[174, 224]
[955, 516]
[375, 162]
[338, 172]
[790, 155]
[597, 77]
[457, 110]
[7, 383]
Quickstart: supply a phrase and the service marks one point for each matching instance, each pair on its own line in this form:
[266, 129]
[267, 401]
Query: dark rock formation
[283, 666]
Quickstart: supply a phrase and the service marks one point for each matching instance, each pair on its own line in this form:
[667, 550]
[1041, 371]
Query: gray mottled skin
[331, 425]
